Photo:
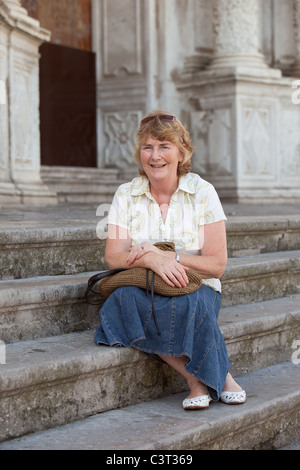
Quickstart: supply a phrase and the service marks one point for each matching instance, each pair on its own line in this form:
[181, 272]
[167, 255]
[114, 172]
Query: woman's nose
[156, 153]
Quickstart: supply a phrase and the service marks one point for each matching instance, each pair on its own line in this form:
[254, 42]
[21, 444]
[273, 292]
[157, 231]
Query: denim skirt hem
[188, 326]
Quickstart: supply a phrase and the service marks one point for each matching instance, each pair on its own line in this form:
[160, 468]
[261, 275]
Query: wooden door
[67, 106]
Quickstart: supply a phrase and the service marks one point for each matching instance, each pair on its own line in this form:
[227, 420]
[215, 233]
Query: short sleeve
[119, 210]
[211, 209]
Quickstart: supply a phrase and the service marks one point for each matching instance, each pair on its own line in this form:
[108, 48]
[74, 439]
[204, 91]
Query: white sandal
[233, 398]
[196, 403]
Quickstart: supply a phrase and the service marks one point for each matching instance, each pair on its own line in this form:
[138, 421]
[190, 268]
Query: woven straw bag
[109, 281]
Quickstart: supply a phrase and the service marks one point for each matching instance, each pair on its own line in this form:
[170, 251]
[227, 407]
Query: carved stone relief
[212, 136]
[120, 131]
[290, 143]
[257, 134]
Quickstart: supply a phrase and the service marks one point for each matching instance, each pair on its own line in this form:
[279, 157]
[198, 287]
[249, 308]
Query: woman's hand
[136, 252]
[161, 262]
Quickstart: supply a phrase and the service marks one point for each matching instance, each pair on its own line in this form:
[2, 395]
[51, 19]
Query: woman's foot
[199, 397]
[197, 388]
[232, 393]
[197, 403]
[231, 385]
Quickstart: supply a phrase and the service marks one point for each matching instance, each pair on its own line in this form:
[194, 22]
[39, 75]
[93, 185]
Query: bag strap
[95, 279]
[152, 297]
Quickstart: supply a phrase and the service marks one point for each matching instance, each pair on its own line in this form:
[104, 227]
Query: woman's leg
[177, 363]
[196, 387]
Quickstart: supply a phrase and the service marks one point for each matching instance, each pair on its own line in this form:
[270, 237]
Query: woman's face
[160, 159]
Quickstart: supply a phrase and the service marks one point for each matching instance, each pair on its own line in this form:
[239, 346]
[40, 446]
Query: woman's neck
[162, 192]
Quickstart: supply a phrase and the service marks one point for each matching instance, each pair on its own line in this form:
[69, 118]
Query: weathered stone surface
[57, 380]
[71, 247]
[261, 277]
[52, 305]
[44, 306]
[268, 420]
[50, 252]
[51, 381]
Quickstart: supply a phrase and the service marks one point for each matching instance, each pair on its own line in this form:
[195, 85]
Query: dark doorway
[67, 106]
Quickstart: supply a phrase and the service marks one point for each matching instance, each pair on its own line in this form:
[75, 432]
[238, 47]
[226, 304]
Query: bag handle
[95, 279]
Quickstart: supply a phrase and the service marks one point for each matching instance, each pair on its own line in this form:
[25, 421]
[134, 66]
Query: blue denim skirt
[188, 326]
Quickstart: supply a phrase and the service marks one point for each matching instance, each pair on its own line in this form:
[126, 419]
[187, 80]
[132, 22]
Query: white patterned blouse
[194, 204]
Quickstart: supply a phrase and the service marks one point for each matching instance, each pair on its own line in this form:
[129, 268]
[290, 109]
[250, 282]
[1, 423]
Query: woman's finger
[136, 253]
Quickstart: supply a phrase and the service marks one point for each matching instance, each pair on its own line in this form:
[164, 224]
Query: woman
[169, 203]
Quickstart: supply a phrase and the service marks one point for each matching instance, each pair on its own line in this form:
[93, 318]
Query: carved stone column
[236, 48]
[21, 37]
[244, 125]
[296, 66]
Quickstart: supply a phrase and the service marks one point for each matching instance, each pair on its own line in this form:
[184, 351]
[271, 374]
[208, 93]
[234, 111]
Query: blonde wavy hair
[164, 126]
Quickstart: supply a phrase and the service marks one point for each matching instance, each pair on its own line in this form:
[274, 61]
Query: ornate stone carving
[290, 144]
[236, 48]
[257, 137]
[212, 136]
[120, 129]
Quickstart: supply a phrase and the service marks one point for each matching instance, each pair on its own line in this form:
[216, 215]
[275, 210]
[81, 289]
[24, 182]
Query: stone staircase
[58, 390]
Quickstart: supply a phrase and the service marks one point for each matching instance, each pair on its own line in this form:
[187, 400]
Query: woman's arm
[213, 259]
[119, 254]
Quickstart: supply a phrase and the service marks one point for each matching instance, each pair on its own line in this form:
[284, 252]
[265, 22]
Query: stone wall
[230, 69]
[69, 21]
[226, 67]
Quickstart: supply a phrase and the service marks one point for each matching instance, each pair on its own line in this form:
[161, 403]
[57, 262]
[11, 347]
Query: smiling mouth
[158, 166]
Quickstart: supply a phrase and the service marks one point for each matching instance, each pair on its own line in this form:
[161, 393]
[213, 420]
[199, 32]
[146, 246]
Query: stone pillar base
[246, 133]
[254, 66]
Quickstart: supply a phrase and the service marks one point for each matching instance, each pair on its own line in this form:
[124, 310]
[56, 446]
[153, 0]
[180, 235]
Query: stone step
[293, 446]
[51, 381]
[261, 277]
[268, 420]
[253, 235]
[53, 305]
[50, 251]
[82, 185]
[69, 246]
